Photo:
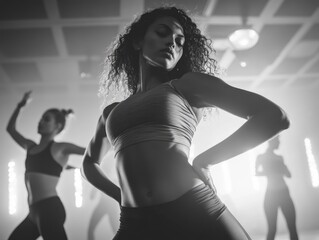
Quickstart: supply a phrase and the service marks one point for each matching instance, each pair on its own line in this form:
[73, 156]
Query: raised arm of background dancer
[264, 118]
[11, 127]
[91, 169]
[69, 167]
[71, 148]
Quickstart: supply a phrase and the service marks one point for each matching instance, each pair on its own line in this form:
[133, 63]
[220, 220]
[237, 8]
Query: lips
[168, 52]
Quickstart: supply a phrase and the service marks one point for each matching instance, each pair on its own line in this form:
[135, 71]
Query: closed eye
[180, 42]
[164, 31]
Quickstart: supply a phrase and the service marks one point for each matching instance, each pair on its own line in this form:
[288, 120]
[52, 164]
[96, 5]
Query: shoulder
[199, 89]
[197, 78]
[30, 144]
[100, 129]
[108, 109]
[67, 148]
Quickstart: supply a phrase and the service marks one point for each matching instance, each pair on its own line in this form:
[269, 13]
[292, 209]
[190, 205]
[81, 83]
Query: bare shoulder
[100, 129]
[108, 109]
[197, 78]
[196, 87]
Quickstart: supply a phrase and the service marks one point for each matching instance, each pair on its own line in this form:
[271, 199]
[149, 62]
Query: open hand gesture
[26, 99]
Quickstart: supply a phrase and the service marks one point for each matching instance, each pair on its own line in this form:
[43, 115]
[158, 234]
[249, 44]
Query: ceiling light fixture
[243, 39]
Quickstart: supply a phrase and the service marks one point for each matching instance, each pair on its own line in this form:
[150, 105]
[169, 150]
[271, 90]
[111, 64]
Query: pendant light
[245, 37]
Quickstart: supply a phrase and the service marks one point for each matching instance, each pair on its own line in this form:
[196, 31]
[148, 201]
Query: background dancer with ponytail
[43, 166]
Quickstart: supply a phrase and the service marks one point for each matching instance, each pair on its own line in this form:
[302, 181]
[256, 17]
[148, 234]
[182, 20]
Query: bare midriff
[276, 182]
[154, 172]
[40, 186]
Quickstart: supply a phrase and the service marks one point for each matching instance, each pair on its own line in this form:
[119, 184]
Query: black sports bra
[43, 162]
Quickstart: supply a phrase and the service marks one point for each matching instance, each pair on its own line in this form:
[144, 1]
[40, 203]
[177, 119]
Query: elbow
[284, 122]
[280, 119]
[88, 168]
[85, 169]
[9, 129]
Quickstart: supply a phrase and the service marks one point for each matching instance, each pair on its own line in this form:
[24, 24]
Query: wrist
[199, 163]
[19, 105]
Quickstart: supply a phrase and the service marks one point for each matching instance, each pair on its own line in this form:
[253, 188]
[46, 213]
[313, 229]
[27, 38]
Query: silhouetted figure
[44, 164]
[272, 166]
[167, 65]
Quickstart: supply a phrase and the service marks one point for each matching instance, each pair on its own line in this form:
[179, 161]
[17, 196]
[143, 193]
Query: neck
[45, 139]
[151, 76]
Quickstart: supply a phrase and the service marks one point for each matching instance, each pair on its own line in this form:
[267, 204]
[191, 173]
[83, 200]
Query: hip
[194, 212]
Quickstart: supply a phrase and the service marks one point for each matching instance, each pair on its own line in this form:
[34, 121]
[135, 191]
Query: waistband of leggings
[145, 209]
[44, 201]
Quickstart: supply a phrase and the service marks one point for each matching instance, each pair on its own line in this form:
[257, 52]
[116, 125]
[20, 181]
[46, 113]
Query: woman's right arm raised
[11, 127]
[97, 148]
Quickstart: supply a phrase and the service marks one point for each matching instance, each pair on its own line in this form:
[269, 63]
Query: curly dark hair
[121, 65]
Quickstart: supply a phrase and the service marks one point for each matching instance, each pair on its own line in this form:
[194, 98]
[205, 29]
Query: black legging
[275, 200]
[198, 214]
[46, 219]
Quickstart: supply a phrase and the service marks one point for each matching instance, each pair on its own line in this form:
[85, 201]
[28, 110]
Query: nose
[170, 42]
[41, 121]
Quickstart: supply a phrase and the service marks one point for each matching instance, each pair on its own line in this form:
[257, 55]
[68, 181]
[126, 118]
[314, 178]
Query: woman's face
[163, 42]
[47, 124]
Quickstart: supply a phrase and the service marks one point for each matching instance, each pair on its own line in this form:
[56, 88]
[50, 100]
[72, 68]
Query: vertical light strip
[12, 187]
[313, 169]
[78, 188]
[226, 183]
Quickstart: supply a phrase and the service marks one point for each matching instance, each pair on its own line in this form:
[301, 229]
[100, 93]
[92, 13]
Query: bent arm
[95, 175]
[91, 169]
[264, 118]
[70, 148]
[11, 126]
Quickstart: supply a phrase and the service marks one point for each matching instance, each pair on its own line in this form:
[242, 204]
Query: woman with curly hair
[43, 166]
[165, 63]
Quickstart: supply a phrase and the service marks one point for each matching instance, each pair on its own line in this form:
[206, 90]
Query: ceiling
[58, 45]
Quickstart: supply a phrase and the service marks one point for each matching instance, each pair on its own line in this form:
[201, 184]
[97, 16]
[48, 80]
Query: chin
[161, 63]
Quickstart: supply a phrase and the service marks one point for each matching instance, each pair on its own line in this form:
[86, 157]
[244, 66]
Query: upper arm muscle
[203, 90]
[21, 140]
